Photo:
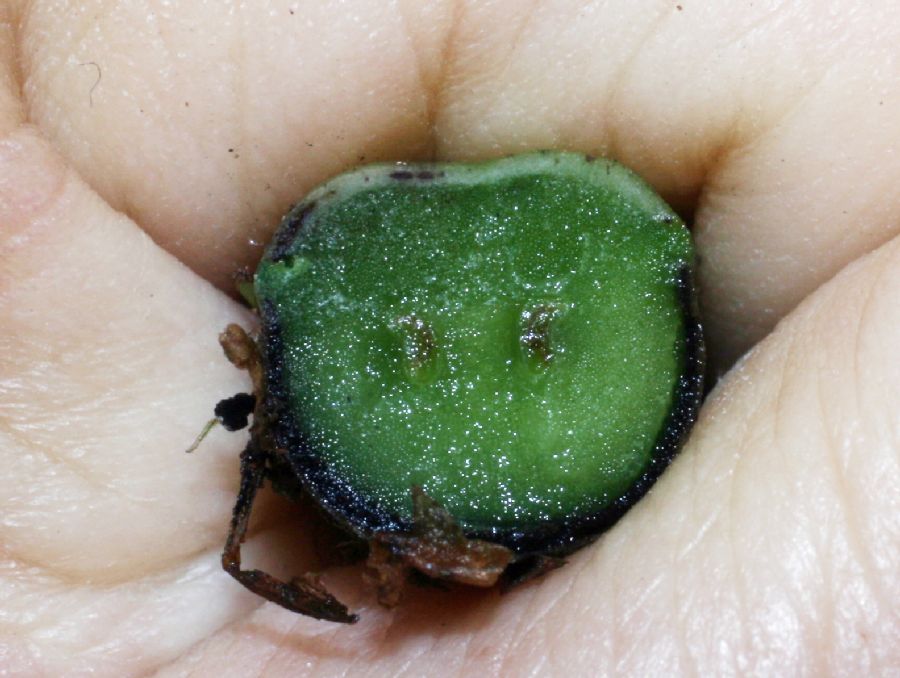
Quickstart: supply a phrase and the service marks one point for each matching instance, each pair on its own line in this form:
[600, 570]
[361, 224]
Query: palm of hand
[772, 543]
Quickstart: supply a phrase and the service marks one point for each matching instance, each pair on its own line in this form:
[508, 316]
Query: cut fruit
[517, 338]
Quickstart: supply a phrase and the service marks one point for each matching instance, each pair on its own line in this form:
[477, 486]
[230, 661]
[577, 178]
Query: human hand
[771, 545]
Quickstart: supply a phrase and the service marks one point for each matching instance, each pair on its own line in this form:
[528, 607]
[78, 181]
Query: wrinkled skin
[148, 149]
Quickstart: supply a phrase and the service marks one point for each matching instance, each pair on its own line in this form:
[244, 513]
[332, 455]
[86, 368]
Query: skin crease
[131, 189]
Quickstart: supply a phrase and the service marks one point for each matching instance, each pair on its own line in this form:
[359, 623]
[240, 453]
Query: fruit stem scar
[535, 337]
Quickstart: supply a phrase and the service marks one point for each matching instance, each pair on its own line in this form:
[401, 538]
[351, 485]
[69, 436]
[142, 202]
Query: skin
[146, 151]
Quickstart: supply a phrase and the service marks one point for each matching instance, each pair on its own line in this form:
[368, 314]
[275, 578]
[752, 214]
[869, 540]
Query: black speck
[425, 174]
[402, 175]
[233, 412]
[590, 158]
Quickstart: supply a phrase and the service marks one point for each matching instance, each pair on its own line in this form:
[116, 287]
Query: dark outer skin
[303, 594]
[436, 546]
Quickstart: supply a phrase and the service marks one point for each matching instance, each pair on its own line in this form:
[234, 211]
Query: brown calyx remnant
[436, 547]
[233, 413]
[303, 594]
[243, 353]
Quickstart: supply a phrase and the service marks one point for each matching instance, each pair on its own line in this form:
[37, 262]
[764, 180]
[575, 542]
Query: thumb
[108, 365]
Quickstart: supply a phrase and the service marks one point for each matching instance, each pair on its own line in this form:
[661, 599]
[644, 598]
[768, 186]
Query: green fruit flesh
[507, 335]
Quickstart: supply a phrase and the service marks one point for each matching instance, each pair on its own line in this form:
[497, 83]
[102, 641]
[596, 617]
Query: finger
[108, 368]
[773, 541]
[776, 124]
[206, 142]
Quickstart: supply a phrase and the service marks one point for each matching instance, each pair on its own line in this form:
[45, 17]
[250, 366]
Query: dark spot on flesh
[535, 338]
[422, 347]
[424, 175]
